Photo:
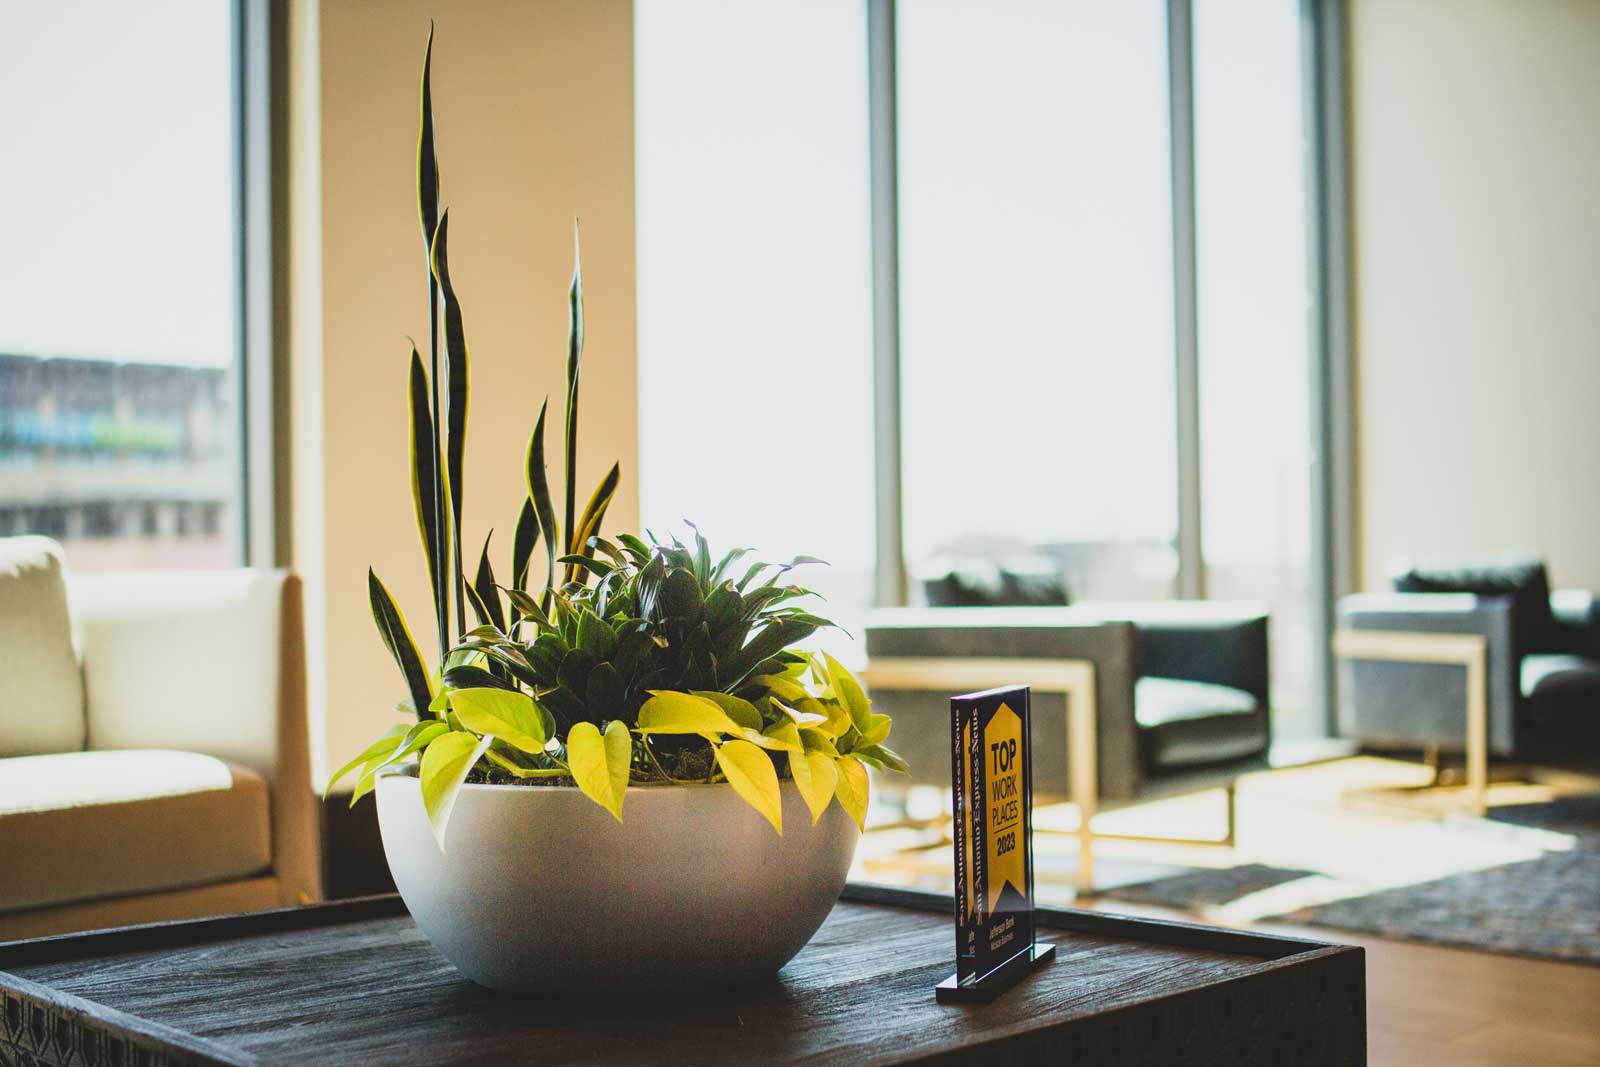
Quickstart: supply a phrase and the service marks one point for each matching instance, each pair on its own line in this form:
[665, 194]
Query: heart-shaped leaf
[814, 775]
[750, 772]
[511, 716]
[600, 762]
[683, 713]
[853, 787]
[445, 764]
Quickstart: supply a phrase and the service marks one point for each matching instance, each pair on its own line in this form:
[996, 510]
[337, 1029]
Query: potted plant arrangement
[630, 776]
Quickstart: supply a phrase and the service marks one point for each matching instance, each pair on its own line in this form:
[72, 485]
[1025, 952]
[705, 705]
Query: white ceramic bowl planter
[542, 890]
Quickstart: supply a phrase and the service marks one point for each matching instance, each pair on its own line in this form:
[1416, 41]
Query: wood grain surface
[358, 983]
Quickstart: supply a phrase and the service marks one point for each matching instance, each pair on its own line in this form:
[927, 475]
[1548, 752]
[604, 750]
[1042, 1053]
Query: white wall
[1476, 229]
[533, 105]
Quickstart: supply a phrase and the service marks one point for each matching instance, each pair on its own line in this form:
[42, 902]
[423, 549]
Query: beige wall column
[533, 104]
[1475, 141]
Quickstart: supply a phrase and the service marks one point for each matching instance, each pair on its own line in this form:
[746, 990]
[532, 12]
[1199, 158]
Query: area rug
[1548, 907]
[1205, 887]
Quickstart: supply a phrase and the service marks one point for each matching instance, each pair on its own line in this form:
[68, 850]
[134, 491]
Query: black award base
[986, 987]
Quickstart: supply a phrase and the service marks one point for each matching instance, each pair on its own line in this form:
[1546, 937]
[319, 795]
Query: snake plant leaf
[398, 640]
[428, 215]
[599, 762]
[574, 368]
[479, 608]
[593, 514]
[457, 389]
[424, 488]
[539, 493]
[752, 775]
[445, 765]
[488, 592]
[816, 777]
[513, 717]
[522, 544]
[853, 788]
[427, 157]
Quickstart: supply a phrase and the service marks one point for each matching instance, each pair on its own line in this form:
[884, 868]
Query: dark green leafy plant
[637, 661]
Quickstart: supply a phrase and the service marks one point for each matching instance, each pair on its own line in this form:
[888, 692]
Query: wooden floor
[1440, 1005]
[1428, 1005]
[1425, 1004]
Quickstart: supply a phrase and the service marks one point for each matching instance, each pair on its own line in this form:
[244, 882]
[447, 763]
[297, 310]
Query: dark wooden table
[356, 982]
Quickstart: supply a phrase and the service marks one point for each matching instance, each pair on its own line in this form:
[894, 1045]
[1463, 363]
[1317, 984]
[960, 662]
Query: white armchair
[188, 791]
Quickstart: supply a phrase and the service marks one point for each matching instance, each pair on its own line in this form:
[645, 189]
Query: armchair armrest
[1206, 641]
[1575, 622]
[921, 731]
[212, 662]
[1422, 703]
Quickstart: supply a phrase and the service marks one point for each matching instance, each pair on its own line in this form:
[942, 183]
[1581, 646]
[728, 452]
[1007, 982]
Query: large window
[119, 390]
[1254, 316]
[1099, 311]
[755, 348]
[1036, 291]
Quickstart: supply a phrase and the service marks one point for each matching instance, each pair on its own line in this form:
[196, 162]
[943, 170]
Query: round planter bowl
[542, 891]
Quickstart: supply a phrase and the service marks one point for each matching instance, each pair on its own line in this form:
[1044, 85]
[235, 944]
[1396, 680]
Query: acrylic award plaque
[992, 775]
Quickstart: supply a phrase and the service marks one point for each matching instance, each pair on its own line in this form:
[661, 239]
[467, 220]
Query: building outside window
[120, 431]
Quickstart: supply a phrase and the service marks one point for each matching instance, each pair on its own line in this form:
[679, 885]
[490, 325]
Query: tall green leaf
[425, 488]
[539, 493]
[428, 214]
[427, 157]
[456, 392]
[522, 545]
[398, 640]
[488, 592]
[574, 366]
[589, 525]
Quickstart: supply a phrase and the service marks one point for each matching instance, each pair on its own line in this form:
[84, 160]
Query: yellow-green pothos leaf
[683, 713]
[816, 740]
[752, 775]
[804, 718]
[886, 756]
[785, 735]
[380, 748]
[599, 762]
[853, 787]
[738, 709]
[417, 738]
[445, 764]
[876, 731]
[814, 775]
[781, 687]
[849, 692]
[511, 716]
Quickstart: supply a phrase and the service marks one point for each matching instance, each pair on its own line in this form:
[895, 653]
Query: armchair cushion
[90, 825]
[1523, 581]
[41, 703]
[983, 583]
[1188, 724]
